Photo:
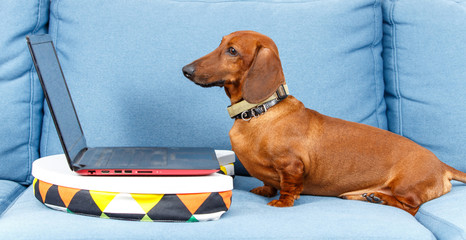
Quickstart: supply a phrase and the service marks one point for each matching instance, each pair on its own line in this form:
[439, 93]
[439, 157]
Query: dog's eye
[232, 51]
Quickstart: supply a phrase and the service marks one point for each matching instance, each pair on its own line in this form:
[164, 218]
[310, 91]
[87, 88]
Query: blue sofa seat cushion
[249, 217]
[21, 96]
[9, 191]
[446, 216]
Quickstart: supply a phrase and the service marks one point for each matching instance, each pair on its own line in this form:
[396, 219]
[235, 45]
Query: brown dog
[299, 151]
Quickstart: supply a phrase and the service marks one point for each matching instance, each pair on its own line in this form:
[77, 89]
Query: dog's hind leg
[382, 198]
[372, 197]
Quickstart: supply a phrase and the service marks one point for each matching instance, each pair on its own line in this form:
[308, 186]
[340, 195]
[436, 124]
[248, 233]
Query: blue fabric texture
[446, 216]
[21, 96]
[122, 61]
[425, 74]
[248, 218]
[9, 191]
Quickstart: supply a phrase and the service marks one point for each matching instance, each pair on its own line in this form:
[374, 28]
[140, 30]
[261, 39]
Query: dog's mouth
[219, 83]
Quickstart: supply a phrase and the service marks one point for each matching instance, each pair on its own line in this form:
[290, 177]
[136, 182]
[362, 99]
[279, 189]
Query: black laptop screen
[57, 95]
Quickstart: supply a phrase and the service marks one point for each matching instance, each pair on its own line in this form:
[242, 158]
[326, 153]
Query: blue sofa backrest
[425, 74]
[123, 61]
[21, 98]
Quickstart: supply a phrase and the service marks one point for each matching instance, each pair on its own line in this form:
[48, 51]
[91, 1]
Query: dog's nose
[188, 71]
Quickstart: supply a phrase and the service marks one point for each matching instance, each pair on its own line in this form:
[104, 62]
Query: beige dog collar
[244, 106]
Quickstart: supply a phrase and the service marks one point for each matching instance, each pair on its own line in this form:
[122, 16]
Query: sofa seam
[441, 221]
[38, 17]
[47, 124]
[31, 123]
[46, 121]
[374, 60]
[253, 1]
[396, 79]
[31, 102]
[17, 193]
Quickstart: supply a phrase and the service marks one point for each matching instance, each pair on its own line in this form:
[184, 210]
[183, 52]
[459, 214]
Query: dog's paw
[265, 191]
[373, 198]
[281, 203]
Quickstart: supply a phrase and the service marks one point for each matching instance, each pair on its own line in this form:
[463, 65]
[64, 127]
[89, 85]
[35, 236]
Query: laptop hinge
[77, 165]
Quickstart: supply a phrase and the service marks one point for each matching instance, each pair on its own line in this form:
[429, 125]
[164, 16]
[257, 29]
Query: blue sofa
[398, 65]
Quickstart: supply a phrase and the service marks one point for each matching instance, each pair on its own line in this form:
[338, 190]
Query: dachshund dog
[299, 151]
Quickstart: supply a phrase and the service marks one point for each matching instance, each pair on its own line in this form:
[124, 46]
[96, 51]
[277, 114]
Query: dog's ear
[263, 77]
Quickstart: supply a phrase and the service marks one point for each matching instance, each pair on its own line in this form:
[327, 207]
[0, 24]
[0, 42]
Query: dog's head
[246, 63]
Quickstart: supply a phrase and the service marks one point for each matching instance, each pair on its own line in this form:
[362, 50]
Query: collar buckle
[281, 92]
[244, 116]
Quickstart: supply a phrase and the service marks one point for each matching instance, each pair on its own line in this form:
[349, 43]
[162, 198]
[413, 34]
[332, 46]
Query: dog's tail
[456, 174]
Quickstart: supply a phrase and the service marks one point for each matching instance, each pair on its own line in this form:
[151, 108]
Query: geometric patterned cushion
[138, 207]
[161, 198]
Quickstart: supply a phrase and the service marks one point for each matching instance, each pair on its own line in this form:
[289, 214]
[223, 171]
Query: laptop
[100, 161]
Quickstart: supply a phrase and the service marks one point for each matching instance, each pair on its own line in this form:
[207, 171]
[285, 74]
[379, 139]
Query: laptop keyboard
[125, 157]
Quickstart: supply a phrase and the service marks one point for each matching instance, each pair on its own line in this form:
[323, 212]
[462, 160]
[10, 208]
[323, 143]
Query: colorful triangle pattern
[193, 201]
[137, 207]
[147, 201]
[102, 199]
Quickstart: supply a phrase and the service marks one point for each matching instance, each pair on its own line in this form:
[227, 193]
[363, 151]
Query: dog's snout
[188, 71]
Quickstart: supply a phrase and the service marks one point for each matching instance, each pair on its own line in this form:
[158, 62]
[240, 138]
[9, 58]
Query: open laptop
[106, 160]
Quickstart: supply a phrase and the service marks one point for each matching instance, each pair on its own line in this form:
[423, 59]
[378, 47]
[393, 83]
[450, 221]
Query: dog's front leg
[291, 182]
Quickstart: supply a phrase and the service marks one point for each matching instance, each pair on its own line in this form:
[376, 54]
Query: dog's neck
[233, 92]
[245, 110]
